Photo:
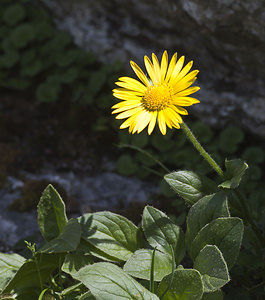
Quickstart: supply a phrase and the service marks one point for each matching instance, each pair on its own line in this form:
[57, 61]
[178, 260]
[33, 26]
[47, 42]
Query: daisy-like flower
[160, 97]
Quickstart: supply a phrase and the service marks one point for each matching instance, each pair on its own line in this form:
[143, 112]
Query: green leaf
[218, 295]
[107, 281]
[9, 59]
[190, 185]
[27, 275]
[186, 285]
[230, 138]
[212, 267]
[73, 262]
[254, 155]
[51, 214]
[22, 35]
[111, 234]
[139, 264]
[225, 233]
[67, 241]
[162, 233]
[126, 165]
[203, 212]
[14, 14]
[32, 69]
[235, 170]
[9, 265]
[48, 91]
[86, 296]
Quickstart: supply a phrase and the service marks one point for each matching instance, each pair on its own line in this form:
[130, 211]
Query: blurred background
[59, 60]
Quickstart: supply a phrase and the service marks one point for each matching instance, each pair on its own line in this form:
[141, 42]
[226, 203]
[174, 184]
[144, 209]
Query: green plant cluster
[105, 256]
[37, 57]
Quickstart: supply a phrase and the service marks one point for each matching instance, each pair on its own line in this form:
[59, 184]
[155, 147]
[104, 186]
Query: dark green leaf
[190, 185]
[27, 275]
[67, 241]
[203, 212]
[109, 282]
[126, 165]
[218, 295]
[51, 214]
[186, 285]
[9, 265]
[212, 267]
[73, 262]
[225, 233]
[235, 170]
[139, 264]
[14, 14]
[162, 233]
[110, 233]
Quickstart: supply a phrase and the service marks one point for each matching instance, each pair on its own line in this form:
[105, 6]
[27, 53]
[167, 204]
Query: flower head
[160, 97]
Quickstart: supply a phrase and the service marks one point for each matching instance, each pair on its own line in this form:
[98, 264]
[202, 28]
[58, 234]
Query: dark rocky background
[225, 38]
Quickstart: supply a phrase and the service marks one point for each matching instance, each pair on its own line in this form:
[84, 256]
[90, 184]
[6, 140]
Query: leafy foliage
[82, 251]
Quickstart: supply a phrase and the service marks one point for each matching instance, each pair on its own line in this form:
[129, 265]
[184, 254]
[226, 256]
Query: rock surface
[226, 38]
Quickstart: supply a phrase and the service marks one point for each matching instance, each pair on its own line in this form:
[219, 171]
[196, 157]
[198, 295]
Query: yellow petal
[131, 84]
[123, 96]
[149, 68]
[157, 71]
[127, 91]
[180, 110]
[188, 91]
[176, 117]
[167, 116]
[183, 72]
[162, 122]
[152, 122]
[142, 121]
[139, 73]
[177, 69]
[127, 107]
[164, 63]
[128, 113]
[185, 101]
[182, 85]
[171, 67]
[124, 103]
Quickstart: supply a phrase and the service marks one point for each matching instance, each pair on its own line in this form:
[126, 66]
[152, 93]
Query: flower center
[157, 97]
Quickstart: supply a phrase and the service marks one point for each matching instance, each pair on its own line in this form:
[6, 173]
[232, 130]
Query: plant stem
[217, 168]
[146, 153]
[201, 150]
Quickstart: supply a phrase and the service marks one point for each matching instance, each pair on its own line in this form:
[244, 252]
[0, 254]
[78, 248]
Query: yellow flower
[160, 98]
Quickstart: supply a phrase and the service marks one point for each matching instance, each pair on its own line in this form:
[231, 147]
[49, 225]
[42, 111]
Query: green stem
[152, 270]
[201, 150]
[217, 168]
[147, 154]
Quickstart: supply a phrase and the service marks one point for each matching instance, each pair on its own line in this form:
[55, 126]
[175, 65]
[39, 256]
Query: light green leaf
[9, 265]
[218, 295]
[203, 212]
[189, 185]
[27, 275]
[139, 264]
[186, 285]
[225, 233]
[51, 214]
[73, 262]
[107, 281]
[212, 267]
[235, 169]
[67, 241]
[110, 233]
[162, 233]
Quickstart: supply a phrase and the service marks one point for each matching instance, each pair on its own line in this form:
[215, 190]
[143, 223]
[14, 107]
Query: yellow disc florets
[157, 97]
